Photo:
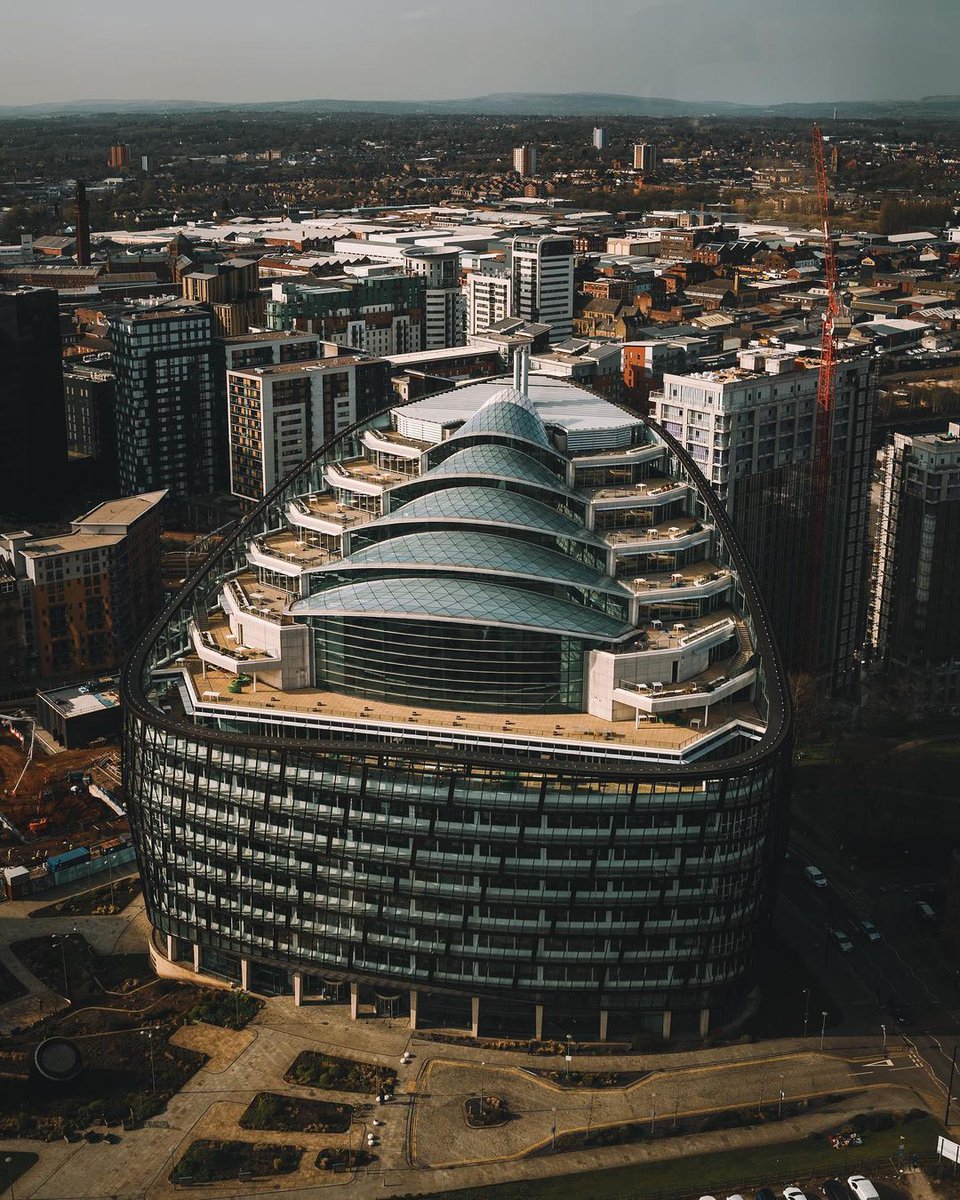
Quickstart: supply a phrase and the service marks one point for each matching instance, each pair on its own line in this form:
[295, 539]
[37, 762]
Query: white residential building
[541, 272]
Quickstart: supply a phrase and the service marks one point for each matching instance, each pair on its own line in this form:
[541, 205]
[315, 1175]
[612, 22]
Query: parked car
[923, 912]
[842, 940]
[793, 1193]
[766, 1194]
[833, 1189]
[862, 1188]
[868, 929]
[815, 876]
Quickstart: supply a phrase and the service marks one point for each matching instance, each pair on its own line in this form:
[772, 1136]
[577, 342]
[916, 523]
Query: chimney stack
[83, 225]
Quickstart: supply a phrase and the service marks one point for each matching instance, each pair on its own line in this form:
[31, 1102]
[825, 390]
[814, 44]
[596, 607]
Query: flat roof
[78, 699]
[124, 511]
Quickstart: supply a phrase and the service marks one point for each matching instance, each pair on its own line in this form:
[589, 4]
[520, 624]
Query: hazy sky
[755, 51]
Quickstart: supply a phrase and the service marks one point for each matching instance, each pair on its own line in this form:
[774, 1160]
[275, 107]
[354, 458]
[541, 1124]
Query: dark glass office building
[478, 719]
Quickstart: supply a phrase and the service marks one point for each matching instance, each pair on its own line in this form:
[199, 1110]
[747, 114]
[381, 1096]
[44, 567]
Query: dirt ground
[72, 818]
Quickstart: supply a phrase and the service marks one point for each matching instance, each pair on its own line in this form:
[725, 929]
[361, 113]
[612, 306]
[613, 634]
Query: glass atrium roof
[467, 549]
[509, 414]
[479, 602]
[486, 505]
[503, 462]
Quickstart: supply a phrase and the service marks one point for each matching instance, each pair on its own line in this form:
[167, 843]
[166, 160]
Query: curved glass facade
[479, 761]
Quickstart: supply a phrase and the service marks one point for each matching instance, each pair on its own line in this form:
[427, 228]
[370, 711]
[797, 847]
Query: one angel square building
[477, 720]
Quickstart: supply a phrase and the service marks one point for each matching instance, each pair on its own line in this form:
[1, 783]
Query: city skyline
[742, 51]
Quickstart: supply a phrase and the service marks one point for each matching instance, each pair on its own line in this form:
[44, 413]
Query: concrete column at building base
[474, 1016]
[704, 1021]
[245, 974]
[413, 1008]
[196, 957]
[298, 988]
[538, 1023]
[604, 1017]
[667, 1018]
[354, 1001]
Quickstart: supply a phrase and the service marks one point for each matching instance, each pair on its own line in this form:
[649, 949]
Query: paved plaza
[424, 1143]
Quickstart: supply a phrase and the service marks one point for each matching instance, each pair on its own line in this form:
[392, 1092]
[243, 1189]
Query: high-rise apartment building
[489, 299]
[525, 160]
[444, 316]
[750, 429]
[231, 290]
[119, 156]
[89, 398]
[541, 272]
[169, 428]
[914, 630]
[380, 313]
[479, 721]
[645, 157]
[280, 415]
[599, 138]
[33, 441]
[85, 596]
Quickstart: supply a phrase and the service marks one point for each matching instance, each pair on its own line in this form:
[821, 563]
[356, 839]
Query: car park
[842, 940]
[815, 876]
[862, 1188]
[868, 929]
[833, 1189]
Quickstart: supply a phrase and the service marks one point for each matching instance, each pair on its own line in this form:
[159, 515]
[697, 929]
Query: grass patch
[312, 1069]
[105, 901]
[799, 1162]
[290, 1114]
[229, 1010]
[210, 1161]
[10, 986]
[15, 1164]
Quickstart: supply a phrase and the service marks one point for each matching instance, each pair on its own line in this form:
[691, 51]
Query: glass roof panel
[486, 505]
[473, 550]
[502, 461]
[475, 601]
[510, 414]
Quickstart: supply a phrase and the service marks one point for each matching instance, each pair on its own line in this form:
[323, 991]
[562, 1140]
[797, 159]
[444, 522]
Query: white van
[862, 1188]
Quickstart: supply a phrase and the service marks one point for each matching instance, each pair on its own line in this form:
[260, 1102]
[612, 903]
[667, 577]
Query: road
[896, 988]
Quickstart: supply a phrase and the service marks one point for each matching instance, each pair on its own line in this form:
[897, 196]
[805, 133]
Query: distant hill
[548, 104]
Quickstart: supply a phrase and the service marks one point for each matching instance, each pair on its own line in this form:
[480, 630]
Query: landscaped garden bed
[120, 1019]
[340, 1158]
[669, 1125]
[485, 1112]
[211, 1161]
[107, 900]
[290, 1114]
[312, 1069]
[590, 1079]
[230, 1010]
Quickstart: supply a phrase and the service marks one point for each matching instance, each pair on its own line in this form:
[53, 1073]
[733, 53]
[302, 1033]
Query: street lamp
[148, 1034]
[9, 1161]
[823, 1027]
[60, 939]
[806, 1010]
[883, 1030]
[653, 1113]
[569, 1055]
[780, 1101]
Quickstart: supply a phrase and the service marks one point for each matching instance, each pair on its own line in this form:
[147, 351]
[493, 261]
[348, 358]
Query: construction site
[55, 804]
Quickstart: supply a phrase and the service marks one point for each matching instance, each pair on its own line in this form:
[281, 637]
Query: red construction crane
[826, 384]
